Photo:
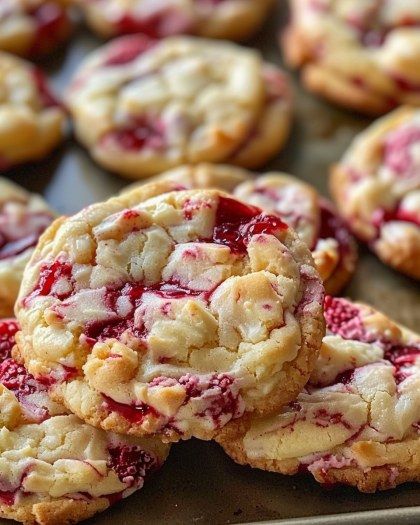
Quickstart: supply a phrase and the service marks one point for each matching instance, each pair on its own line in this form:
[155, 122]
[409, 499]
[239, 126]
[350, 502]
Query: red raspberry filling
[344, 319]
[324, 419]
[48, 99]
[236, 223]
[216, 391]
[396, 152]
[381, 217]
[131, 464]
[403, 358]
[52, 26]
[161, 24]
[333, 227]
[126, 49]
[51, 274]
[144, 132]
[8, 331]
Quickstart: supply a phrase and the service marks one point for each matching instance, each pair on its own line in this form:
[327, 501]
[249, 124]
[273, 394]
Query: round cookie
[297, 203]
[227, 19]
[33, 27]
[171, 313]
[55, 468]
[144, 106]
[376, 187]
[361, 54]
[23, 217]
[31, 119]
[357, 420]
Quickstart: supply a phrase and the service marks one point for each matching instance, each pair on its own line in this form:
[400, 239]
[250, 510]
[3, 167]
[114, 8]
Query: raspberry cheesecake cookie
[171, 313]
[361, 54]
[313, 218]
[33, 27]
[143, 106]
[357, 420]
[377, 189]
[31, 119]
[23, 217]
[55, 468]
[228, 19]
[298, 204]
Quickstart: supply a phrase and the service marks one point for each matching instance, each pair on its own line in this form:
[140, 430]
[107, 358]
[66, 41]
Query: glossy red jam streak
[17, 234]
[217, 392]
[50, 276]
[236, 223]
[126, 49]
[52, 26]
[381, 217]
[403, 358]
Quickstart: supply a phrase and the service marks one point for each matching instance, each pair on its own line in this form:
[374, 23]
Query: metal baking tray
[199, 484]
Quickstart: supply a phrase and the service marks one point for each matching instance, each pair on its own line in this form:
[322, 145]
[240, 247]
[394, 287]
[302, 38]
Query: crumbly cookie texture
[297, 203]
[55, 468]
[33, 27]
[171, 314]
[23, 217]
[31, 119]
[227, 19]
[143, 106]
[357, 420]
[377, 189]
[361, 54]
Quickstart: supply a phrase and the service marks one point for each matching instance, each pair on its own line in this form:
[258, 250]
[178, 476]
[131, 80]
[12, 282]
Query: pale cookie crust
[297, 203]
[141, 106]
[171, 315]
[376, 186]
[357, 421]
[55, 468]
[361, 54]
[31, 119]
[33, 27]
[23, 217]
[227, 19]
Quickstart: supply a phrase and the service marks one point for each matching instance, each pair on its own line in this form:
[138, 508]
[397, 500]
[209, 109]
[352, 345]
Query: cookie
[33, 27]
[360, 54]
[32, 121]
[227, 19]
[297, 203]
[23, 217]
[376, 186]
[313, 218]
[357, 421]
[55, 468]
[143, 106]
[171, 313]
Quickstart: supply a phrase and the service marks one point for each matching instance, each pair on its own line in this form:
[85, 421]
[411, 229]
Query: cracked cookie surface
[376, 186]
[53, 467]
[313, 217]
[171, 313]
[23, 217]
[142, 106]
[227, 19]
[361, 54]
[357, 420]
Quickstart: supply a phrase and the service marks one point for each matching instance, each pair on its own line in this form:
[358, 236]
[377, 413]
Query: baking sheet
[199, 484]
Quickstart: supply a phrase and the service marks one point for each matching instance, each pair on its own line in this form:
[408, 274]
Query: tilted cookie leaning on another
[55, 468]
[171, 313]
[357, 420]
